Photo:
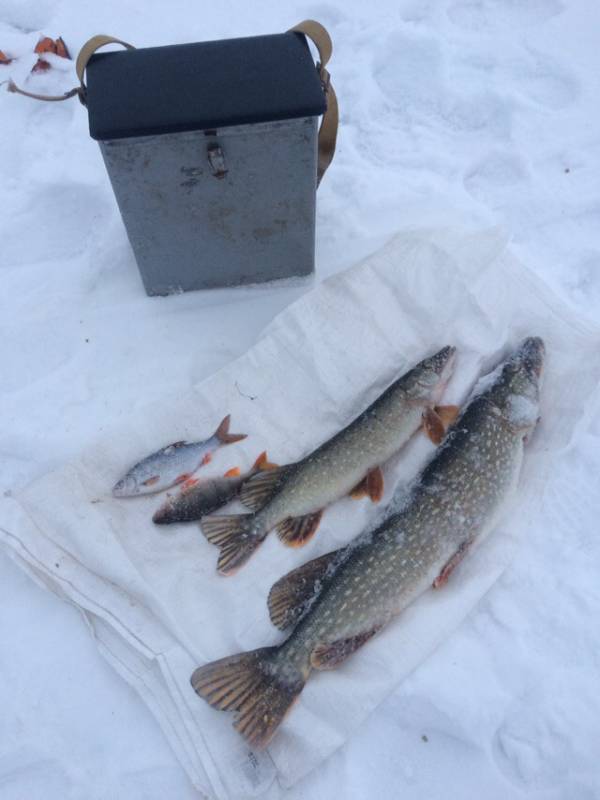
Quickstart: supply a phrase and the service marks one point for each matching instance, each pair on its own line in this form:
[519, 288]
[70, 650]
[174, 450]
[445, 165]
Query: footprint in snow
[27, 15]
[492, 177]
[584, 283]
[409, 71]
[24, 774]
[529, 750]
[416, 11]
[411, 74]
[63, 218]
[327, 14]
[545, 81]
[154, 782]
[490, 15]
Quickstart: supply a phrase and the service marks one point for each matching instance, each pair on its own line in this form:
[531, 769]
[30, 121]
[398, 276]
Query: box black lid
[202, 86]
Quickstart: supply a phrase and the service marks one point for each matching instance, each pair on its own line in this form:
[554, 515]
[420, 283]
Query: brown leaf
[45, 45]
[40, 66]
[61, 48]
[4, 59]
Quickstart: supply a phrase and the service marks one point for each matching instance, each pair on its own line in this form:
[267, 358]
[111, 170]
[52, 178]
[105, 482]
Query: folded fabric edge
[52, 581]
[153, 691]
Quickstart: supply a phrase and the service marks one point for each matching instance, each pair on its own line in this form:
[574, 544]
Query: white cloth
[151, 595]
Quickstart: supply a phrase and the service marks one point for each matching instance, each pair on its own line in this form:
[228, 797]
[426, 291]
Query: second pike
[292, 498]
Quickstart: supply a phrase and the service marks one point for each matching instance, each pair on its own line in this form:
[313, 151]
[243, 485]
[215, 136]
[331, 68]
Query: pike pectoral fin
[447, 414]
[371, 486]
[433, 426]
[450, 566]
[375, 484]
[290, 595]
[360, 490]
[259, 488]
[436, 421]
[151, 481]
[329, 656]
[296, 531]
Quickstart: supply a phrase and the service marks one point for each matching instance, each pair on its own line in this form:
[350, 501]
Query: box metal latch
[216, 159]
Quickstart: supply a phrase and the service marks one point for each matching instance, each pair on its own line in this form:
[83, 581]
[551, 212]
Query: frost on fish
[523, 411]
[335, 604]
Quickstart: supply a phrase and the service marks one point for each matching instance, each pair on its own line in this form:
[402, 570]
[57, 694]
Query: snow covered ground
[487, 109]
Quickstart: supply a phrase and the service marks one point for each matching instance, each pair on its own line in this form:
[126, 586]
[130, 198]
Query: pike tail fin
[250, 685]
[235, 536]
[223, 435]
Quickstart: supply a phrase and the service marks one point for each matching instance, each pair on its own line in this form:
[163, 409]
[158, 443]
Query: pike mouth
[445, 373]
[440, 365]
[448, 368]
[532, 355]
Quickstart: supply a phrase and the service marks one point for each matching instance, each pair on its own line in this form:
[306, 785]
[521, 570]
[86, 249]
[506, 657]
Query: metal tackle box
[212, 152]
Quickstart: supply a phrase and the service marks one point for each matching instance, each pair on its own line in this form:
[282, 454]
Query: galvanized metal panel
[192, 230]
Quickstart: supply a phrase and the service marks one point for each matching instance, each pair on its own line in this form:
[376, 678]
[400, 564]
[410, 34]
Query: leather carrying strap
[86, 52]
[329, 124]
[315, 32]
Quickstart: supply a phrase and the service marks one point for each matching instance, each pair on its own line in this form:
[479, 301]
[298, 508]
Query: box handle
[309, 27]
[329, 124]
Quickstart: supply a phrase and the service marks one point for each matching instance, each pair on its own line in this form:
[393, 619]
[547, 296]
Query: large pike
[339, 601]
[292, 498]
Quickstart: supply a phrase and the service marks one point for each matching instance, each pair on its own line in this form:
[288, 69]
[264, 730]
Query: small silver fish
[337, 602]
[203, 496]
[173, 464]
[292, 498]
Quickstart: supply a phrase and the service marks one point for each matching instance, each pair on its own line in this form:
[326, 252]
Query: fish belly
[335, 469]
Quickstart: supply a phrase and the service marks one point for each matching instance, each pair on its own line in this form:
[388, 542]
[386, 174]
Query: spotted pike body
[292, 498]
[336, 603]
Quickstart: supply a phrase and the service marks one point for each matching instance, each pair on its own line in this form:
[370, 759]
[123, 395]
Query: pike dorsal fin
[433, 426]
[290, 597]
[259, 488]
[436, 421]
[447, 414]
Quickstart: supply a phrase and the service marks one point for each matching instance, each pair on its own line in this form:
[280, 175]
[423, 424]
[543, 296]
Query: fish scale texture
[486, 108]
